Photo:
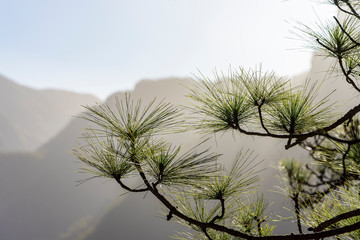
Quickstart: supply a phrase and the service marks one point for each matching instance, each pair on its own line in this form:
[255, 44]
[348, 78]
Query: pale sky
[104, 46]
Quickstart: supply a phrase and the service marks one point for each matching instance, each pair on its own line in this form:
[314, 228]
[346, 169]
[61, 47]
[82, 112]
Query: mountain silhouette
[122, 218]
[137, 218]
[29, 117]
[39, 198]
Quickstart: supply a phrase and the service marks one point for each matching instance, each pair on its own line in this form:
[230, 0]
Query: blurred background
[100, 47]
[56, 56]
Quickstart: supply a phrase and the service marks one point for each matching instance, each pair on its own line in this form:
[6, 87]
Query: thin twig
[261, 118]
[347, 34]
[341, 9]
[118, 180]
[354, 13]
[217, 217]
[297, 212]
[344, 163]
[346, 74]
[206, 234]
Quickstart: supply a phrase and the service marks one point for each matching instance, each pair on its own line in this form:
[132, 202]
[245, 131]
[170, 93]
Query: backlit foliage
[126, 143]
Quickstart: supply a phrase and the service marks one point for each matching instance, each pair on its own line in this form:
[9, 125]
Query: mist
[40, 198]
[58, 57]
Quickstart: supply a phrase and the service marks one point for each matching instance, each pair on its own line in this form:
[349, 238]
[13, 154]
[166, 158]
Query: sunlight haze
[100, 47]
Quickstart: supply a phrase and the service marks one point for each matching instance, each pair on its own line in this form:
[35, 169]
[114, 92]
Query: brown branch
[297, 212]
[169, 216]
[346, 74]
[352, 9]
[336, 219]
[212, 225]
[301, 137]
[235, 233]
[206, 234]
[336, 2]
[345, 11]
[217, 217]
[341, 120]
[336, 53]
[118, 180]
[337, 123]
[347, 34]
[326, 47]
[349, 142]
[259, 222]
[261, 118]
[343, 162]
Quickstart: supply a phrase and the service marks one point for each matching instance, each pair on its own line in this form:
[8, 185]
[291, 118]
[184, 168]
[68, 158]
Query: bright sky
[103, 46]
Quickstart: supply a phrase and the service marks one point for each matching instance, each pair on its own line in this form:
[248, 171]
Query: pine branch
[218, 217]
[335, 219]
[347, 34]
[352, 9]
[206, 234]
[118, 180]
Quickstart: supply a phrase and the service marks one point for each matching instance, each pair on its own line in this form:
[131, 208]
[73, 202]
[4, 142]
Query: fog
[52, 58]
[100, 47]
[40, 200]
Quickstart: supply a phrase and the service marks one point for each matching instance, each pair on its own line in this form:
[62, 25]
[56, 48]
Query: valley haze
[39, 198]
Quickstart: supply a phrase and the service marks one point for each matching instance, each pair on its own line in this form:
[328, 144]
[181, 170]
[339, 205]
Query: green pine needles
[224, 104]
[251, 99]
[126, 143]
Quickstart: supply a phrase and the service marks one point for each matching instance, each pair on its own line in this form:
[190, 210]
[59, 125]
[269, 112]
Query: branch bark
[336, 219]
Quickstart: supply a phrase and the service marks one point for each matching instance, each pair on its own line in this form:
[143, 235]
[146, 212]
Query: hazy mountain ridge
[49, 206]
[271, 151]
[31, 117]
[10, 136]
[39, 200]
[39, 190]
[142, 212]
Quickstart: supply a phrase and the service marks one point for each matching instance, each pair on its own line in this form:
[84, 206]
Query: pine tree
[197, 191]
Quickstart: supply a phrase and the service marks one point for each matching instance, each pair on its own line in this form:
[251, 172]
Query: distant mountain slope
[325, 71]
[29, 117]
[39, 199]
[10, 137]
[130, 214]
[135, 218]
